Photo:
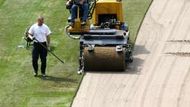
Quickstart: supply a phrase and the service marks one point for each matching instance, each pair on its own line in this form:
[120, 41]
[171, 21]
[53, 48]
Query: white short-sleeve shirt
[40, 32]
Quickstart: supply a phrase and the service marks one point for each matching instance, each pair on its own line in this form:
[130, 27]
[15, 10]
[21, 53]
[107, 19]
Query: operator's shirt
[40, 32]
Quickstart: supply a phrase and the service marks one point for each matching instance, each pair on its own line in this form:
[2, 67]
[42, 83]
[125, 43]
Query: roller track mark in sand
[183, 88]
[143, 98]
[166, 82]
[181, 54]
[135, 80]
[133, 90]
[114, 91]
[121, 93]
[131, 86]
[162, 48]
[184, 41]
[159, 26]
[164, 85]
[121, 90]
[147, 58]
[169, 73]
[164, 8]
[180, 41]
[94, 95]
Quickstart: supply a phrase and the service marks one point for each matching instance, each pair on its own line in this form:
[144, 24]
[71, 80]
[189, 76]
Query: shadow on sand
[132, 68]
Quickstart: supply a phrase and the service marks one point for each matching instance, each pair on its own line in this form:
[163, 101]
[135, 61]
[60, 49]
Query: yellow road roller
[104, 38]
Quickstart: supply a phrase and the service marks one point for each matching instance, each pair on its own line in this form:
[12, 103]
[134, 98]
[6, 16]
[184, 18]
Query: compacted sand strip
[160, 73]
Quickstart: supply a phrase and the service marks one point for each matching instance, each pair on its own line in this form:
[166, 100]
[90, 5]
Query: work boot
[83, 23]
[43, 75]
[35, 74]
[80, 72]
[72, 24]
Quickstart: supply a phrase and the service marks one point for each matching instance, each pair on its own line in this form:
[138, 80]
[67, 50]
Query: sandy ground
[160, 74]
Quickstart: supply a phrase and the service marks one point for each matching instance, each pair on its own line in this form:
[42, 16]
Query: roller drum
[104, 59]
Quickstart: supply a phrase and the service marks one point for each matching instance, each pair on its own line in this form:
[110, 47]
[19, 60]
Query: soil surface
[160, 73]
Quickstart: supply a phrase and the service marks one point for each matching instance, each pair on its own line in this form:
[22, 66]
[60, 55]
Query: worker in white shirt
[41, 33]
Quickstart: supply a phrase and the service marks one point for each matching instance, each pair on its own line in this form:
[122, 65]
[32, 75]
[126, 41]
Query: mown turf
[18, 88]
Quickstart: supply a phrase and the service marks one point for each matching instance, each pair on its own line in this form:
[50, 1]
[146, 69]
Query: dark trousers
[74, 10]
[39, 51]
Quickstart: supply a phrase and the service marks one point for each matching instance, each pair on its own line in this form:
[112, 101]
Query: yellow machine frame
[102, 7]
[108, 7]
[77, 25]
[104, 39]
